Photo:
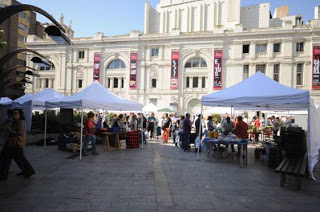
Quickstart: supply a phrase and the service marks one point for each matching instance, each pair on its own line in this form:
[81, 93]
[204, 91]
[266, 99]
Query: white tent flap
[314, 136]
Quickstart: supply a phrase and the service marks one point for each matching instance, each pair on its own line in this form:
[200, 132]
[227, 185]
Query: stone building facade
[251, 40]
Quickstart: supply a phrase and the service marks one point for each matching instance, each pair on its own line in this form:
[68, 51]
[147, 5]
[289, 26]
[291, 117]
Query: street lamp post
[55, 32]
[4, 82]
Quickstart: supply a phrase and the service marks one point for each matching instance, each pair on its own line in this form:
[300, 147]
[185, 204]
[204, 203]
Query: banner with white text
[316, 68]
[217, 75]
[174, 76]
[96, 66]
[133, 70]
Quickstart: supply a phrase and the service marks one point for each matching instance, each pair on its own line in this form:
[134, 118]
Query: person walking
[89, 131]
[186, 132]
[166, 128]
[13, 147]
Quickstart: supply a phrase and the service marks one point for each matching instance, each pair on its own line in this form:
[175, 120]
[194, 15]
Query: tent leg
[45, 128]
[81, 132]
[200, 129]
[141, 130]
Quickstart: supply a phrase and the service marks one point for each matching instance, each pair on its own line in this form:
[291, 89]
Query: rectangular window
[246, 49]
[115, 82]
[21, 38]
[276, 72]
[245, 72]
[109, 82]
[47, 83]
[188, 82]
[154, 83]
[155, 52]
[154, 101]
[81, 54]
[79, 83]
[261, 48]
[23, 27]
[195, 82]
[277, 47]
[24, 15]
[261, 68]
[122, 82]
[300, 47]
[203, 82]
[300, 74]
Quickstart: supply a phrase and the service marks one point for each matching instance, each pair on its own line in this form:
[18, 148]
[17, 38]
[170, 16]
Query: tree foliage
[2, 44]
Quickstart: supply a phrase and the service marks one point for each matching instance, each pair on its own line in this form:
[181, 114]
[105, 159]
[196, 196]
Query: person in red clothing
[257, 125]
[241, 130]
[89, 131]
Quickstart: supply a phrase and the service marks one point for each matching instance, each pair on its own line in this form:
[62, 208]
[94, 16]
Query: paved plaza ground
[160, 177]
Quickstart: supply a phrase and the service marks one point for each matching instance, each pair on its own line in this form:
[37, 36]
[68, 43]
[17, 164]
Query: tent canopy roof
[95, 96]
[5, 101]
[259, 92]
[38, 99]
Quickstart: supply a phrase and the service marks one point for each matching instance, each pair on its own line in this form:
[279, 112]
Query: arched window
[196, 62]
[42, 68]
[116, 64]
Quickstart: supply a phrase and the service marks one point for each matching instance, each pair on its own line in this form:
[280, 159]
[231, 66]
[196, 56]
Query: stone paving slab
[161, 177]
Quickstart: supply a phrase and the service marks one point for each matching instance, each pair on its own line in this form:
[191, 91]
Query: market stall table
[242, 144]
[106, 139]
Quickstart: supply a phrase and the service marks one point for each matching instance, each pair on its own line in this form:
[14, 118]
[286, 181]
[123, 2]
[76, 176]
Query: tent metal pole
[45, 128]
[200, 129]
[142, 130]
[81, 132]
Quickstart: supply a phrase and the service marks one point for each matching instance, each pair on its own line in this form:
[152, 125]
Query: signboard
[316, 68]
[96, 66]
[174, 71]
[133, 70]
[217, 72]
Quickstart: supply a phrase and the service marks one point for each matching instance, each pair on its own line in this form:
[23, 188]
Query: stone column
[253, 50]
[191, 82]
[270, 49]
[199, 82]
[50, 83]
[43, 83]
[111, 82]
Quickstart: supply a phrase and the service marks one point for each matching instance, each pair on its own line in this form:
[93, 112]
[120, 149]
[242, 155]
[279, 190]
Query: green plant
[216, 118]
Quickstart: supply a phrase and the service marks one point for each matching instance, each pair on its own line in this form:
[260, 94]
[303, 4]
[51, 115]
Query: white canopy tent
[260, 92]
[149, 108]
[95, 96]
[29, 102]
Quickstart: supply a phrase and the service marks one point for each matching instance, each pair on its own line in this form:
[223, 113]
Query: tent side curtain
[314, 136]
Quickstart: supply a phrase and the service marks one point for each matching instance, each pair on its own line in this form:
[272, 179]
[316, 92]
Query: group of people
[14, 143]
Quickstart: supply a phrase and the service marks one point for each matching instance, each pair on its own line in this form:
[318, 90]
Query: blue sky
[116, 17]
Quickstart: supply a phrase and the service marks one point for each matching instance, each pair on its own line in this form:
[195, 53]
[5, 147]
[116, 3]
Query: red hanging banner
[133, 70]
[316, 68]
[174, 75]
[217, 72]
[96, 66]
